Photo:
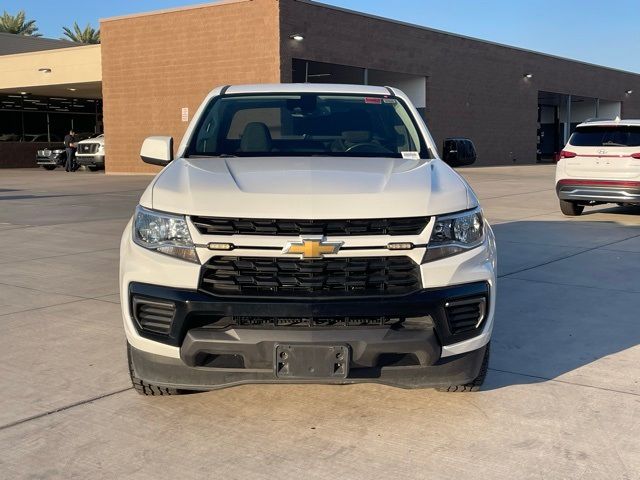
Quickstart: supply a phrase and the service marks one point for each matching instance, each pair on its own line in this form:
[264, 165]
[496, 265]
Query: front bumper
[597, 191]
[49, 160]
[217, 352]
[194, 310]
[90, 160]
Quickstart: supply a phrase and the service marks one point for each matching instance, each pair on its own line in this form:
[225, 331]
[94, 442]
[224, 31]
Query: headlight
[163, 233]
[453, 234]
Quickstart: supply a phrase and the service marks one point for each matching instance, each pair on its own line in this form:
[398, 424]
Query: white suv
[306, 233]
[90, 153]
[600, 164]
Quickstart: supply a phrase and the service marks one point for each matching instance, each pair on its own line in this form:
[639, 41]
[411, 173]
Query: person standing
[70, 147]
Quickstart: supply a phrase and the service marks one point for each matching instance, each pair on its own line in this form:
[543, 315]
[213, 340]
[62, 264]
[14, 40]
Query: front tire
[571, 209]
[93, 168]
[144, 388]
[475, 384]
[49, 167]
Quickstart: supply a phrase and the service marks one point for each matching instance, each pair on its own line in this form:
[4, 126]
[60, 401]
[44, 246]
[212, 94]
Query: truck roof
[308, 88]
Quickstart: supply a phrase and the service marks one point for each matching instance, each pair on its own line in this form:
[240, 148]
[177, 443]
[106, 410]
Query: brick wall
[474, 89]
[155, 64]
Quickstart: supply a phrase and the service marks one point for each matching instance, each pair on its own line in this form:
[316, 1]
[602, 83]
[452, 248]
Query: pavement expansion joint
[62, 409]
[556, 380]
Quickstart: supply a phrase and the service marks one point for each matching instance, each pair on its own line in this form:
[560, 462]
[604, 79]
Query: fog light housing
[153, 315]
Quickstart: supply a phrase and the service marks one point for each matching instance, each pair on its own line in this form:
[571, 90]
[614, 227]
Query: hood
[309, 187]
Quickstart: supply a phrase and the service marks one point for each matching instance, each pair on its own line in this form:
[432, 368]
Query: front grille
[88, 147]
[248, 226]
[465, 315]
[292, 276]
[153, 315]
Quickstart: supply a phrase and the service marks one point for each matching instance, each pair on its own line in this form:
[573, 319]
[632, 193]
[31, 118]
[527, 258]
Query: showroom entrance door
[559, 114]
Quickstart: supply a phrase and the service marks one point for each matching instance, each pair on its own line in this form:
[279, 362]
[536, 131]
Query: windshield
[307, 124]
[617, 136]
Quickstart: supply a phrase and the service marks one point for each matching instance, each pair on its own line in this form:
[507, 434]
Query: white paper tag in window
[411, 155]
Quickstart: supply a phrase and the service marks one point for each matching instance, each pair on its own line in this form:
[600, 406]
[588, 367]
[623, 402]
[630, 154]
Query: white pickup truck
[306, 233]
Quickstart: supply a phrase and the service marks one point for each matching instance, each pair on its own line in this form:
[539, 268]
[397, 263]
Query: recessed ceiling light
[72, 89]
[297, 37]
[629, 92]
[44, 70]
[528, 75]
[24, 93]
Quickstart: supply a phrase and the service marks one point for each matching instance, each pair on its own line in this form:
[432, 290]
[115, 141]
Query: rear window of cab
[599, 136]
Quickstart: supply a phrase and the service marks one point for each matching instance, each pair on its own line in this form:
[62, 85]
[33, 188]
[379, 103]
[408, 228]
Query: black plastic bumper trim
[173, 372]
[195, 309]
[256, 347]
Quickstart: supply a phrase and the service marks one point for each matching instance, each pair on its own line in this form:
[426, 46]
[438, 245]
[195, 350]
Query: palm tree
[88, 35]
[18, 24]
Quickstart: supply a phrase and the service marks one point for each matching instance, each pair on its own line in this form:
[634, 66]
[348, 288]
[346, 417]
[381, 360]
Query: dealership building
[153, 69]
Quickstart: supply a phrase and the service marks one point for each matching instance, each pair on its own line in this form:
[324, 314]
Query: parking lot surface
[562, 398]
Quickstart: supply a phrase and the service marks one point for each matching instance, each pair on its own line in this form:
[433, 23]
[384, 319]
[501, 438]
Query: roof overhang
[74, 71]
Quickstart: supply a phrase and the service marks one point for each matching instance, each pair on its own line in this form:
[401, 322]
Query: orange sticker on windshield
[374, 100]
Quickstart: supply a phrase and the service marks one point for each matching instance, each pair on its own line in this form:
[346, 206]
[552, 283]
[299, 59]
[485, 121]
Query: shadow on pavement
[618, 210]
[568, 297]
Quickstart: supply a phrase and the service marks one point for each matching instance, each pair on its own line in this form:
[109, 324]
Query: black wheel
[571, 209]
[144, 388]
[49, 167]
[93, 168]
[477, 382]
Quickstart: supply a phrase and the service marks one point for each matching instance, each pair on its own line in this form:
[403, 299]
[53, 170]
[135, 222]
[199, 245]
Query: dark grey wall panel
[475, 88]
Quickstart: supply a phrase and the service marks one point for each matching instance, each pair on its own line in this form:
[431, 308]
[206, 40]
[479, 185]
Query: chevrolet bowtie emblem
[312, 247]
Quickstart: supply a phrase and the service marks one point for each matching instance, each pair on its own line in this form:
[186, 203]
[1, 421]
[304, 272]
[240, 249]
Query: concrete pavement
[562, 399]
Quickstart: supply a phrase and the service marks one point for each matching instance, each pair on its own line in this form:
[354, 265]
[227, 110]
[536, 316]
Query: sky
[604, 33]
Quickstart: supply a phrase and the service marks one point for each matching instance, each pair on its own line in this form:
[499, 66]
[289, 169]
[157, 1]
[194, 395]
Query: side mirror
[157, 150]
[458, 152]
